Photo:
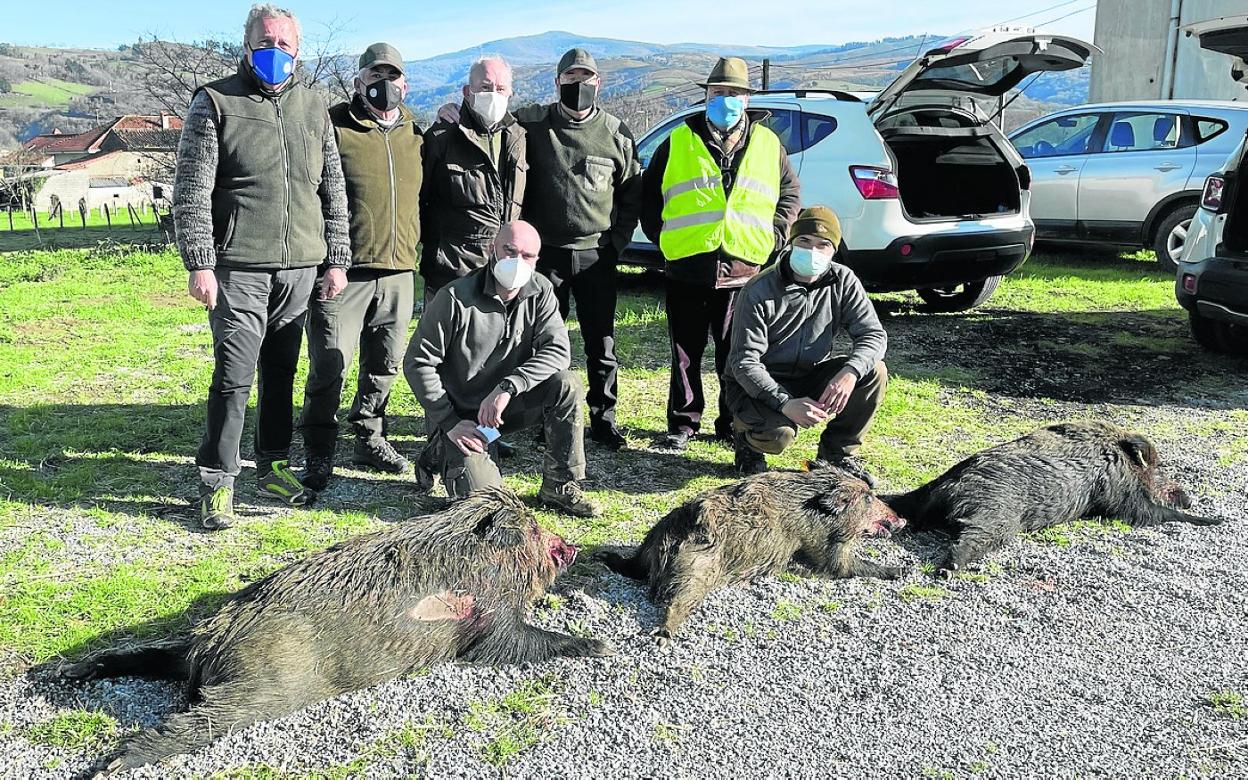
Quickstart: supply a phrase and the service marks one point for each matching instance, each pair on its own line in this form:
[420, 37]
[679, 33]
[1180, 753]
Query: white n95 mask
[490, 106]
[512, 273]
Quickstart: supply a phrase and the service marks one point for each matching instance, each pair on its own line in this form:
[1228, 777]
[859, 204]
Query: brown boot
[568, 498]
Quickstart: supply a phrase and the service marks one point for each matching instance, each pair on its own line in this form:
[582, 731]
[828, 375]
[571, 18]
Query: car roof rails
[802, 92]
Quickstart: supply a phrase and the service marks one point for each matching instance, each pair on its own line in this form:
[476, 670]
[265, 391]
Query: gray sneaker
[568, 498]
[847, 463]
[216, 509]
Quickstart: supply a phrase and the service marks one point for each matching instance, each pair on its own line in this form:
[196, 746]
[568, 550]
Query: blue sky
[423, 28]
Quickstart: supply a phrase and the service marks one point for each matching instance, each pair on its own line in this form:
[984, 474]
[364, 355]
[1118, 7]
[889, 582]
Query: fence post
[109, 217]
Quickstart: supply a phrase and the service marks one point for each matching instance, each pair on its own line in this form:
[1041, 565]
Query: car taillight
[1212, 199]
[874, 183]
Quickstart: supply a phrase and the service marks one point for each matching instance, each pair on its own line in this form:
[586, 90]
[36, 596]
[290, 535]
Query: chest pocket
[598, 172]
[468, 185]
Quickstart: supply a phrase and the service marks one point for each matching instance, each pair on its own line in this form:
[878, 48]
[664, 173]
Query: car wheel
[1222, 337]
[959, 297]
[1172, 236]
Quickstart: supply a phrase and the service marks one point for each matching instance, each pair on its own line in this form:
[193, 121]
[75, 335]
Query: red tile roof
[90, 141]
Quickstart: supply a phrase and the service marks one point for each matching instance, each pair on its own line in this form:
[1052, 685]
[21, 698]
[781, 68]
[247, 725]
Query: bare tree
[170, 72]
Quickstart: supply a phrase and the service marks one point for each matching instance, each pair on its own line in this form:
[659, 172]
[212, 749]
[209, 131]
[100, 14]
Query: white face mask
[808, 262]
[490, 106]
[512, 273]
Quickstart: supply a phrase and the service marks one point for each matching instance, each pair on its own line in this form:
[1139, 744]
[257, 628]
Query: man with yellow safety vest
[718, 198]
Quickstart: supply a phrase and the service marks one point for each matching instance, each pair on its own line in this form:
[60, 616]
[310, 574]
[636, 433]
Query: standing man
[718, 198]
[258, 204]
[380, 145]
[584, 198]
[491, 352]
[474, 178]
[784, 373]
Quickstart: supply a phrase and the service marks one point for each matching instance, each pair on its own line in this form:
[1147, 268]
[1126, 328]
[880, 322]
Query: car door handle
[1065, 169]
[1166, 167]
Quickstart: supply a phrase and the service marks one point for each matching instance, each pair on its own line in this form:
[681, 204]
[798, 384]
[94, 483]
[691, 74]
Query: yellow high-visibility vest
[697, 215]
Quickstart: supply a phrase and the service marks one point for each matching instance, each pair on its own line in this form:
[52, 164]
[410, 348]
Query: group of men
[289, 216]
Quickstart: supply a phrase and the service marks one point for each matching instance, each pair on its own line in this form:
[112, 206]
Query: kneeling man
[783, 372]
[491, 352]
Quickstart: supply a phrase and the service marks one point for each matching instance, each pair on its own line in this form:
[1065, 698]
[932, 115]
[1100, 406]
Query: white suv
[931, 195]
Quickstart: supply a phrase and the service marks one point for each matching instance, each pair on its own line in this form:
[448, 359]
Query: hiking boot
[280, 483]
[428, 468]
[379, 454]
[678, 440]
[568, 498]
[317, 471]
[725, 433]
[216, 509]
[847, 463]
[748, 460]
[604, 432]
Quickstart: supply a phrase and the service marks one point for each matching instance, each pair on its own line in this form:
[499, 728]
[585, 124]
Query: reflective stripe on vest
[697, 215]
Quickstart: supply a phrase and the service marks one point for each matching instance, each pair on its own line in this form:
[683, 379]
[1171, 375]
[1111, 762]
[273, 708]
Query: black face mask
[579, 96]
[383, 95]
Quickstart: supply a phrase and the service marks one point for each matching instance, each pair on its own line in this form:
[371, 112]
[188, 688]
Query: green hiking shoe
[282, 484]
[216, 509]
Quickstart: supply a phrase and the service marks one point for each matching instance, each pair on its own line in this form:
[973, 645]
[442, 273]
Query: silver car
[1129, 174]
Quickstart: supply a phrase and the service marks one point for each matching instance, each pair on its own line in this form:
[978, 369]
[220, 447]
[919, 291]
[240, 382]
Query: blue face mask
[808, 262]
[272, 66]
[724, 111]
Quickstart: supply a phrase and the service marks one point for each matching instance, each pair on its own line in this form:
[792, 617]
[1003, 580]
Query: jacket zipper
[281, 131]
[394, 204]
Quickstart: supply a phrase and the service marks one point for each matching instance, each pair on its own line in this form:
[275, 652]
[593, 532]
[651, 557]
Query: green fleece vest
[266, 212]
[383, 174]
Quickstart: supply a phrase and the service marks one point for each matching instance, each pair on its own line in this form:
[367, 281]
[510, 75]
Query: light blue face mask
[808, 262]
[724, 111]
[272, 66]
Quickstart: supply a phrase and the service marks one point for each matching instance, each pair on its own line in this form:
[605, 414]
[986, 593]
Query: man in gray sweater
[491, 352]
[258, 203]
[784, 371]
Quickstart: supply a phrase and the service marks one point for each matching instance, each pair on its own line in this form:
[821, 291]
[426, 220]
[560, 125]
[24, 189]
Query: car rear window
[815, 128]
[1207, 129]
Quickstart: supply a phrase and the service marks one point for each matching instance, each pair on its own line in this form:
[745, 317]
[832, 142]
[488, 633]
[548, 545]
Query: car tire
[960, 297]
[1221, 337]
[1172, 236]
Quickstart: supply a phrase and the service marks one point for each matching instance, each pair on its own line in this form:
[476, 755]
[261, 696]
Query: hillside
[74, 89]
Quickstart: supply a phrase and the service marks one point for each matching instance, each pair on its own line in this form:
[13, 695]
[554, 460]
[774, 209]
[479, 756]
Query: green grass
[1228, 704]
[917, 592]
[1067, 534]
[517, 720]
[44, 93]
[74, 730]
[105, 364]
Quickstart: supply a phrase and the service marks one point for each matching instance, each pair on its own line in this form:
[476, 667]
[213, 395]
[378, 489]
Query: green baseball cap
[381, 54]
[577, 58]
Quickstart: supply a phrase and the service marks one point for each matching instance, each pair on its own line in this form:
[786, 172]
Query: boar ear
[499, 528]
[835, 502]
[1140, 450]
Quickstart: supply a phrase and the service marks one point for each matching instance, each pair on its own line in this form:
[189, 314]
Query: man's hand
[804, 411]
[203, 287]
[837, 393]
[449, 112]
[466, 437]
[334, 282]
[491, 412]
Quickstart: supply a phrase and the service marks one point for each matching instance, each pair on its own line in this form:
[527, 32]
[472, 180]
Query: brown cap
[577, 58]
[381, 54]
[729, 72]
[818, 221]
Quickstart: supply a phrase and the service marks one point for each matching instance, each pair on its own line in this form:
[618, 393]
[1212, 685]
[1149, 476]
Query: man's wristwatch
[507, 386]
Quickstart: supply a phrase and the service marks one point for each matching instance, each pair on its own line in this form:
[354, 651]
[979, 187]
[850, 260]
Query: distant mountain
[547, 47]
[73, 89]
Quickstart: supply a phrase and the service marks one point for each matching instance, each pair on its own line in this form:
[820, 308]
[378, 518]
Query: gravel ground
[1089, 659]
